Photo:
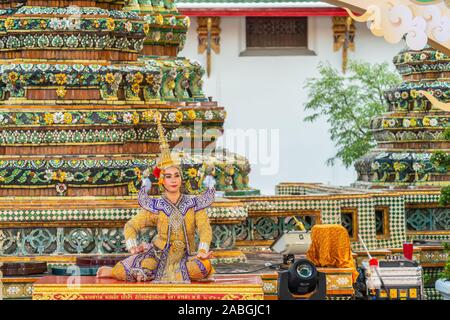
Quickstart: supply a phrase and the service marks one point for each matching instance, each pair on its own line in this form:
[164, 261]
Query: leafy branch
[349, 102]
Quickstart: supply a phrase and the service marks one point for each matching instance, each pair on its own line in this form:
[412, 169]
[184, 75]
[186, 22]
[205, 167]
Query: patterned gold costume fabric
[171, 256]
[330, 247]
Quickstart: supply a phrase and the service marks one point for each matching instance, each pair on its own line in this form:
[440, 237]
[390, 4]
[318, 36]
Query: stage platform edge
[225, 287]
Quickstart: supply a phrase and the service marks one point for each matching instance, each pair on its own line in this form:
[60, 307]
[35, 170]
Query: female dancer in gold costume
[171, 256]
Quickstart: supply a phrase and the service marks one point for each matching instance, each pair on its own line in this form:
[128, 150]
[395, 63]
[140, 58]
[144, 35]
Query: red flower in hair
[156, 172]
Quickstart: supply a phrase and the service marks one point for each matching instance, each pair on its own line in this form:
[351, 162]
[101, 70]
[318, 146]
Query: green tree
[349, 102]
[444, 199]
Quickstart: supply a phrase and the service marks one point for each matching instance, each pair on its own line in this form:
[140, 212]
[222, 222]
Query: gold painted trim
[227, 221]
[339, 292]
[18, 280]
[57, 61]
[154, 288]
[279, 198]
[433, 205]
[441, 232]
[431, 248]
[82, 202]
[49, 259]
[93, 186]
[72, 126]
[247, 243]
[432, 265]
[76, 104]
[284, 213]
[110, 223]
[63, 49]
[152, 296]
[77, 157]
[111, 143]
[65, 224]
[67, 86]
[71, 258]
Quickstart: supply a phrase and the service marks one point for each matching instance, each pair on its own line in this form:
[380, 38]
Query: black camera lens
[305, 271]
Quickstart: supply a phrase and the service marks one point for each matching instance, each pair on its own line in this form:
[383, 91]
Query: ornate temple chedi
[396, 196]
[80, 83]
[413, 136]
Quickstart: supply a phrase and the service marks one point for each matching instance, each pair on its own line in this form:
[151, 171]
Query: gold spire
[165, 159]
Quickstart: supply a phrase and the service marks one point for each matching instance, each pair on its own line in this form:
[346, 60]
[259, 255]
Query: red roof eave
[262, 12]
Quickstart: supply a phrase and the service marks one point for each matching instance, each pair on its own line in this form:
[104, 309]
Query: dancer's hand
[204, 255]
[140, 278]
[134, 250]
[138, 249]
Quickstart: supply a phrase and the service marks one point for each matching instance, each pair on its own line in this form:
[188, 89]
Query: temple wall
[268, 85]
[378, 218]
[248, 222]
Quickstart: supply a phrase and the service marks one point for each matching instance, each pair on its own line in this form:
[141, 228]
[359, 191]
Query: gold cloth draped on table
[330, 247]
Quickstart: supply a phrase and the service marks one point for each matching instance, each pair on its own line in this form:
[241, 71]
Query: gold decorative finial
[344, 37]
[208, 38]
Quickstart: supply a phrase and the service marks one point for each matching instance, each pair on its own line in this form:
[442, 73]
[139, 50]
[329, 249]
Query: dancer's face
[172, 180]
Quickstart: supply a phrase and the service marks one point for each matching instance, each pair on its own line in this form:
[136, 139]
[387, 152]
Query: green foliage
[349, 102]
[446, 273]
[427, 279]
[441, 160]
[446, 133]
[444, 199]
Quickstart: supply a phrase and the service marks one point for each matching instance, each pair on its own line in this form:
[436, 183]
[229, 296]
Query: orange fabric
[194, 270]
[118, 272]
[330, 247]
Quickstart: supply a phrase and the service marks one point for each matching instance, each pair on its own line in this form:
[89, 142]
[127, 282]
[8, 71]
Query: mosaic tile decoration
[432, 294]
[113, 214]
[331, 213]
[365, 203]
[262, 212]
[16, 242]
[431, 275]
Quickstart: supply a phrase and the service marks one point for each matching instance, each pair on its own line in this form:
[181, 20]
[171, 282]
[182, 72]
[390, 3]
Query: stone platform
[339, 281]
[222, 287]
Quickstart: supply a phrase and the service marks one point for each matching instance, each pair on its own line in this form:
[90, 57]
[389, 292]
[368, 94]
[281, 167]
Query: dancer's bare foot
[104, 272]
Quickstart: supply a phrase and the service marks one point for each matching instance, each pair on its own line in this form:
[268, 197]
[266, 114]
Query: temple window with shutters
[382, 222]
[349, 219]
[274, 36]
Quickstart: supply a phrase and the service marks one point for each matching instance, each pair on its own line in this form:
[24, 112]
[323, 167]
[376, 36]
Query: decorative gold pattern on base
[237, 288]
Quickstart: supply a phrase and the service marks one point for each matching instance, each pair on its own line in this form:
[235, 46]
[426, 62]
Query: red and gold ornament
[157, 174]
